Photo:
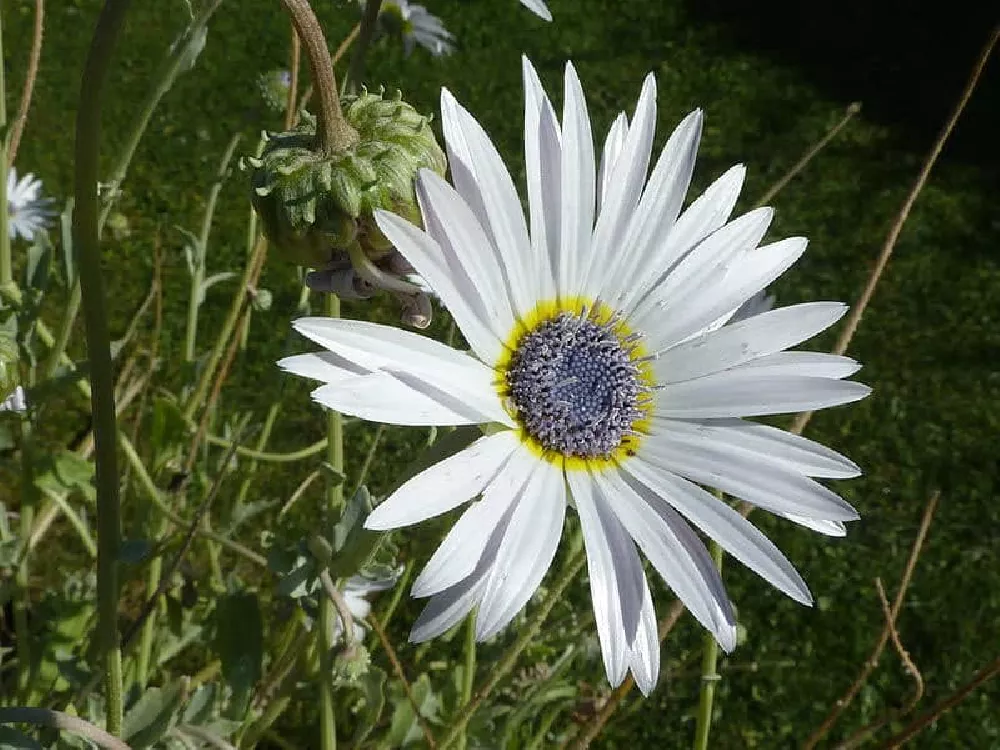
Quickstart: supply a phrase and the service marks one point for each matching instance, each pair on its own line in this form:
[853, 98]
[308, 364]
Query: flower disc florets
[576, 386]
[312, 203]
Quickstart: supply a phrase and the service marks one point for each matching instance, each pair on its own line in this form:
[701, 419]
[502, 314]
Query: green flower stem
[374, 275]
[196, 296]
[709, 672]
[366, 32]
[334, 501]
[333, 133]
[469, 668]
[185, 50]
[509, 659]
[6, 266]
[250, 273]
[149, 627]
[278, 458]
[29, 495]
[87, 245]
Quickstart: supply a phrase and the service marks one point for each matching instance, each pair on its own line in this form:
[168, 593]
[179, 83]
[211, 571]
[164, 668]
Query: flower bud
[314, 206]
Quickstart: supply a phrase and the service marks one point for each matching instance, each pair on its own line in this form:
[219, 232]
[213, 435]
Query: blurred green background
[771, 81]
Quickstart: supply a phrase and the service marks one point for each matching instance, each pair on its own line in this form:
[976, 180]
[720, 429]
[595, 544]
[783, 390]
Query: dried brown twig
[17, 127]
[869, 666]
[397, 667]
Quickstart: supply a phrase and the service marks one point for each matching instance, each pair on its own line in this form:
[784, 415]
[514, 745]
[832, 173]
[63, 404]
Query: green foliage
[929, 345]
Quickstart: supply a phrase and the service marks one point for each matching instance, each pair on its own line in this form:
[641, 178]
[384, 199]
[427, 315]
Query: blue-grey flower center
[575, 386]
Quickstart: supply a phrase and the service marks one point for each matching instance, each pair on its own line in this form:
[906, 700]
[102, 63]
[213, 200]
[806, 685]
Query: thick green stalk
[29, 496]
[86, 242]
[709, 673]
[333, 132]
[334, 501]
[6, 266]
[469, 668]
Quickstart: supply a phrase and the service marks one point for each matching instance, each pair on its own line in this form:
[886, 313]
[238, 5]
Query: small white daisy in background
[15, 402]
[538, 8]
[416, 26]
[602, 363]
[27, 211]
[355, 591]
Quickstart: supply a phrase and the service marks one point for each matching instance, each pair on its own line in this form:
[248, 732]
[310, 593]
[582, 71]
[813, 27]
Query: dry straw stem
[867, 731]
[17, 126]
[397, 667]
[854, 317]
[984, 675]
[44, 717]
[869, 666]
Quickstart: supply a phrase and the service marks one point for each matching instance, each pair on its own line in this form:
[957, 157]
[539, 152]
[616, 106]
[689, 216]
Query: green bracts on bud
[312, 205]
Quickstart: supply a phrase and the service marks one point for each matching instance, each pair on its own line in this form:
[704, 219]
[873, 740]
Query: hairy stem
[709, 672]
[87, 245]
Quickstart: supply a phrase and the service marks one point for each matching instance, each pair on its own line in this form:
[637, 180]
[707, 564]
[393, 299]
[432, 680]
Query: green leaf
[372, 687]
[64, 472]
[239, 642]
[404, 728]
[353, 544]
[154, 714]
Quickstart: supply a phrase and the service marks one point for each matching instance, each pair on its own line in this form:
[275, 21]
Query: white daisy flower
[594, 365]
[27, 211]
[538, 8]
[15, 402]
[355, 590]
[417, 26]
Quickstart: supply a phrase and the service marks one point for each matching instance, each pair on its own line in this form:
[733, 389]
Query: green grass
[930, 342]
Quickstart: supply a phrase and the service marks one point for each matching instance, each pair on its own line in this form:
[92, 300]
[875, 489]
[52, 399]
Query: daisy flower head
[356, 590]
[27, 211]
[603, 366]
[417, 26]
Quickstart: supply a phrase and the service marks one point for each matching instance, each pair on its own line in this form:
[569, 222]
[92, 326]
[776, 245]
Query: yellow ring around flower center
[547, 321]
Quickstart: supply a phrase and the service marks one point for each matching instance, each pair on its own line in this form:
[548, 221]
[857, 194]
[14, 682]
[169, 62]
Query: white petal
[443, 269]
[614, 141]
[768, 485]
[746, 340]
[749, 392]
[385, 397]
[654, 216]
[729, 529]
[538, 8]
[453, 225]
[813, 364]
[644, 656]
[462, 548]
[446, 484]
[763, 443]
[578, 191]
[500, 203]
[828, 528]
[625, 184]
[526, 552]
[719, 295]
[324, 366]
[451, 606]
[675, 551]
[440, 373]
[603, 538]
[543, 160]
[665, 315]
[709, 212]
